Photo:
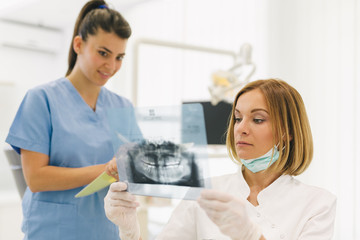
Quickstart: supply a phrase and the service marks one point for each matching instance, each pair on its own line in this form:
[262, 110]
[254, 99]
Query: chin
[100, 83]
[243, 156]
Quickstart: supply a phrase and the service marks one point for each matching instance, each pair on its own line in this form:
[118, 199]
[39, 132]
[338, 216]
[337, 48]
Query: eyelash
[105, 54]
[256, 120]
[119, 58]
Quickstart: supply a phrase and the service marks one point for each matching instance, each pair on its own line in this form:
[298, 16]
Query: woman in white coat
[270, 137]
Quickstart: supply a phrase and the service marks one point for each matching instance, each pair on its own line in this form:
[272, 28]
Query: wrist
[130, 234]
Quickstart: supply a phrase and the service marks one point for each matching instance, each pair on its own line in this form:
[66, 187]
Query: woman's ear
[77, 43]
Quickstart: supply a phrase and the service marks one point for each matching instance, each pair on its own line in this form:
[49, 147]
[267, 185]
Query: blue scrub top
[54, 119]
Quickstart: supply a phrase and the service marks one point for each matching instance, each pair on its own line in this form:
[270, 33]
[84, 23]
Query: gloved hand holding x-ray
[166, 156]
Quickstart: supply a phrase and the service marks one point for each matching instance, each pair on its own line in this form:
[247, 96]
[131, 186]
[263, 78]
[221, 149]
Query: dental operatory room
[180, 119]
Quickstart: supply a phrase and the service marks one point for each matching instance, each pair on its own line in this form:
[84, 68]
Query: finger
[116, 192]
[110, 170]
[113, 174]
[212, 205]
[211, 194]
[118, 187]
[124, 196]
[116, 177]
[214, 215]
[107, 170]
[123, 203]
[113, 169]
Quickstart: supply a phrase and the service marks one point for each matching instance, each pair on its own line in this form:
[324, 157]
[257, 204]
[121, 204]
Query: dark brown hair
[96, 14]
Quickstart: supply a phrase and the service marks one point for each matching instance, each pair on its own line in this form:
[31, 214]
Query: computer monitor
[216, 121]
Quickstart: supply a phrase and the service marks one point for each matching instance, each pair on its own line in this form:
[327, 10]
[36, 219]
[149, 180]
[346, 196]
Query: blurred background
[177, 48]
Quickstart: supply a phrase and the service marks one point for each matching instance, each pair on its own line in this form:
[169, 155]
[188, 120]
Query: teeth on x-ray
[163, 163]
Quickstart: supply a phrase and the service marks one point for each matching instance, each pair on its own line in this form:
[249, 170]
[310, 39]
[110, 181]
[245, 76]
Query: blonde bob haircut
[290, 126]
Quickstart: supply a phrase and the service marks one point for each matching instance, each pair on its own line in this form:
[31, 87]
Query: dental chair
[16, 168]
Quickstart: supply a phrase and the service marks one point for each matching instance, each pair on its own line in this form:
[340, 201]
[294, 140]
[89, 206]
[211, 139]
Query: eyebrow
[254, 110]
[259, 109]
[108, 50]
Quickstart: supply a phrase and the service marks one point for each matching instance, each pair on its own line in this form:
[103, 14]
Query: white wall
[313, 46]
[20, 70]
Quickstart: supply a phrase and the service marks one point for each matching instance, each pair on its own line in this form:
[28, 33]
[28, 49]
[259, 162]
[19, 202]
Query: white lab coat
[288, 209]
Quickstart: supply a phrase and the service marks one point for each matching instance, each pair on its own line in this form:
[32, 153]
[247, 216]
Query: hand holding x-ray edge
[120, 208]
[229, 214]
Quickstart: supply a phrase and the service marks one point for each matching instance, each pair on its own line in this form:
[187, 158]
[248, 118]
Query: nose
[113, 65]
[242, 127]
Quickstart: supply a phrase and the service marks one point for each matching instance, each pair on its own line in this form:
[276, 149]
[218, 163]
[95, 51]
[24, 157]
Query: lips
[104, 75]
[243, 143]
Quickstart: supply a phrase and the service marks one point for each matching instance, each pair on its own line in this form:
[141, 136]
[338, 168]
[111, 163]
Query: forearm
[52, 178]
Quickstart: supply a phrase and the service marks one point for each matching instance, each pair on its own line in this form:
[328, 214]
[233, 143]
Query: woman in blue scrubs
[62, 134]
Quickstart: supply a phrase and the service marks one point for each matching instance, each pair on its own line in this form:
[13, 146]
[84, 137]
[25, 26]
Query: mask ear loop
[272, 154]
[277, 145]
[275, 148]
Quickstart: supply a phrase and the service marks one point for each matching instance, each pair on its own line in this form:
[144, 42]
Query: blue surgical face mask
[261, 163]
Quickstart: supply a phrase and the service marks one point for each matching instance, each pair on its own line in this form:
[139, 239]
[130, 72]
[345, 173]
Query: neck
[87, 90]
[259, 180]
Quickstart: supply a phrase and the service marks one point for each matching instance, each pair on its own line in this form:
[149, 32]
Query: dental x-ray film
[164, 154]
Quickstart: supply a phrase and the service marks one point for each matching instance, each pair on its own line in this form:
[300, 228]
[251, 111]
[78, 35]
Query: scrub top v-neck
[53, 119]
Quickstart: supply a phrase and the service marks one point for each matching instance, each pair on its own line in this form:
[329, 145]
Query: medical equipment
[16, 168]
[163, 163]
[226, 84]
[261, 163]
[169, 158]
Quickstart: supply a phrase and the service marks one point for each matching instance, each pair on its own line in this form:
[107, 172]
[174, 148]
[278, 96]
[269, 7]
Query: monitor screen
[216, 121]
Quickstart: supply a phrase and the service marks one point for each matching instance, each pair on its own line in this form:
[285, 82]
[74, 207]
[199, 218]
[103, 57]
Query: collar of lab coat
[276, 189]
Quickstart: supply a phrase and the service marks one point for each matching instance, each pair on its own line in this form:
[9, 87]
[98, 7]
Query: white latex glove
[120, 208]
[229, 214]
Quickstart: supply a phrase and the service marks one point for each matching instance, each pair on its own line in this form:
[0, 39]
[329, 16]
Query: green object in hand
[102, 181]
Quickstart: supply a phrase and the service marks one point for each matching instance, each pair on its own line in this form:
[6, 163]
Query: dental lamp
[226, 84]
